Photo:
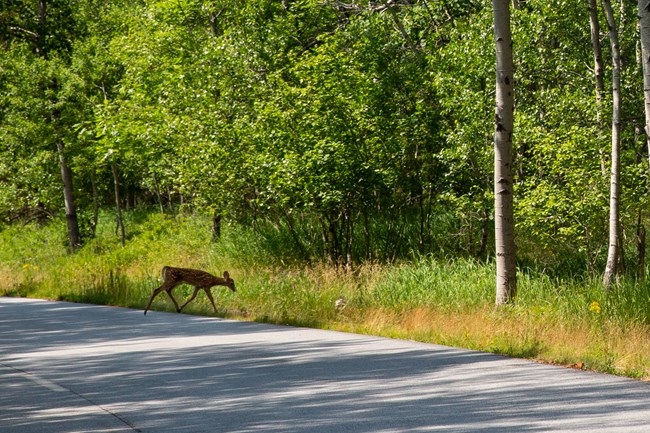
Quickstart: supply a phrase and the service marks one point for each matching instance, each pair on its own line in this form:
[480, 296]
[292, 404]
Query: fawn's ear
[226, 275]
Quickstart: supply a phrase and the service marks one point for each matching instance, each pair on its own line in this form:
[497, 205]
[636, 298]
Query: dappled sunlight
[166, 370]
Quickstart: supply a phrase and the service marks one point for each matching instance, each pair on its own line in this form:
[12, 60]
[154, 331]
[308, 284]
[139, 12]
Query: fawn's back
[195, 277]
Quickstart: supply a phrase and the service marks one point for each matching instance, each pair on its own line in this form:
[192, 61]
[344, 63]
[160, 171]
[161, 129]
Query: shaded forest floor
[571, 322]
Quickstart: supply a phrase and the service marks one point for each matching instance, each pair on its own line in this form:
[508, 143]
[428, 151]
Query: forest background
[325, 150]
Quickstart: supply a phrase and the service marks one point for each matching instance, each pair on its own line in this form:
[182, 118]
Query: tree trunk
[596, 48]
[644, 32]
[294, 234]
[74, 237]
[216, 227]
[598, 76]
[118, 206]
[506, 282]
[93, 223]
[366, 235]
[348, 228]
[613, 253]
[485, 221]
[170, 201]
[640, 248]
[157, 192]
[400, 27]
[41, 47]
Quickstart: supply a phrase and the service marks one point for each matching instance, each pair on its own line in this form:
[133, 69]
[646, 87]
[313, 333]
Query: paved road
[79, 368]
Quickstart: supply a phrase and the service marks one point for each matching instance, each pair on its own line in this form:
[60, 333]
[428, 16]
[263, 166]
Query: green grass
[568, 321]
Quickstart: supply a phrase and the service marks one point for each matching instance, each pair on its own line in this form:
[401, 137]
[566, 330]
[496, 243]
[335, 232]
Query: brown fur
[201, 280]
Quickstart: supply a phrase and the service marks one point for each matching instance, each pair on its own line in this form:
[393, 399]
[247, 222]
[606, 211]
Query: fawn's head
[230, 283]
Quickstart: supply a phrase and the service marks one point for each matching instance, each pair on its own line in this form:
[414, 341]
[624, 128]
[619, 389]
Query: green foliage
[352, 132]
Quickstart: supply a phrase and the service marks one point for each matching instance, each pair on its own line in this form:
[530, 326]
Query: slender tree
[611, 268]
[598, 76]
[41, 48]
[506, 282]
[74, 236]
[118, 200]
[644, 34]
[644, 31]
[594, 26]
[34, 23]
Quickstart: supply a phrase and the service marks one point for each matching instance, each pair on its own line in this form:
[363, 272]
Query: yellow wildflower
[594, 307]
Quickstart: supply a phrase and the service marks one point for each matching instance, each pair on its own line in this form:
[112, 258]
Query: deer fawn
[201, 280]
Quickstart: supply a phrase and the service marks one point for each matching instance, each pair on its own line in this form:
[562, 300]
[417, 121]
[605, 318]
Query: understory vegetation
[564, 319]
[337, 158]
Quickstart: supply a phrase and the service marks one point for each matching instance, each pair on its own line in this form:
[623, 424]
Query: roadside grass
[571, 321]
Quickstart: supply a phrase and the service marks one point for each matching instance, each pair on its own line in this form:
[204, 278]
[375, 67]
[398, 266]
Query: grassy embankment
[571, 322]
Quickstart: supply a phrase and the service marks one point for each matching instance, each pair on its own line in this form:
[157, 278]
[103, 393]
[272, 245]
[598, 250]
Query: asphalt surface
[79, 368]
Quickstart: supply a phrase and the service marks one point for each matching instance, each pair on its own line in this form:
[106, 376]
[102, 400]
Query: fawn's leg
[166, 286]
[207, 292]
[155, 293]
[196, 290]
[169, 292]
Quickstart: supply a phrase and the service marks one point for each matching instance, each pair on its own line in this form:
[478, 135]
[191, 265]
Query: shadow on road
[169, 372]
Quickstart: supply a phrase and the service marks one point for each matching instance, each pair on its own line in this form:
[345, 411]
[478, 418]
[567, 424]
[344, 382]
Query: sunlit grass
[447, 301]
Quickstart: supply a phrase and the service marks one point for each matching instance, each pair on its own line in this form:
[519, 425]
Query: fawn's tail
[164, 272]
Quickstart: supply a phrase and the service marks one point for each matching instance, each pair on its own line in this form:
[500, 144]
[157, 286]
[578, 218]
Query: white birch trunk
[600, 84]
[506, 282]
[644, 32]
[611, 268]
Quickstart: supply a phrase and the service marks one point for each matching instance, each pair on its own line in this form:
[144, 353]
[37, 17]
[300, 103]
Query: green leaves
[374, 122]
